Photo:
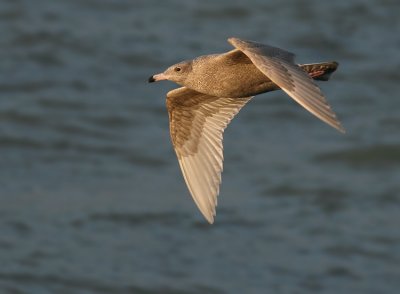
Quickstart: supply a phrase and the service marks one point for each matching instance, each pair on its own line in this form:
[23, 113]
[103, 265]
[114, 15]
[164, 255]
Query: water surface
[92, 199]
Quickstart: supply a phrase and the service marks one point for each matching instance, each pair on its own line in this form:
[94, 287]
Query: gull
[214, 89]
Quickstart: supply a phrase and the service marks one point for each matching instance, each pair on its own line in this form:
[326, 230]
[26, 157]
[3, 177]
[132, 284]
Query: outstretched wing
[197, 123]
[279, 66]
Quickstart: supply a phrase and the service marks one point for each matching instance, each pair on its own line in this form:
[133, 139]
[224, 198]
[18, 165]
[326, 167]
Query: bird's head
[176, 73]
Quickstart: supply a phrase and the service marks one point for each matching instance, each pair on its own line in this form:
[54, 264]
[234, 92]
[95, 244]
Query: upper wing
[278, 65]
[197, 122]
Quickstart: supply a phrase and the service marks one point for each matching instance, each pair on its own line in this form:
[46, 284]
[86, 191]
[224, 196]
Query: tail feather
[320, 71]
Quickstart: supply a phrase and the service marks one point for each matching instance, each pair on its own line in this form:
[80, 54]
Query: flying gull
[214, 89]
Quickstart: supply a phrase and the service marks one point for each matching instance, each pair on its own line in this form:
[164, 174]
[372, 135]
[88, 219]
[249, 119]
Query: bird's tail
[320, 71]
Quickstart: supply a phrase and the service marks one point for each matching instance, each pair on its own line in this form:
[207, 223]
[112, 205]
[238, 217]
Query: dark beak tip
[151, 79]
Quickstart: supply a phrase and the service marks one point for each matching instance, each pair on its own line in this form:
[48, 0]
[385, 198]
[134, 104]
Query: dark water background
[92, 199]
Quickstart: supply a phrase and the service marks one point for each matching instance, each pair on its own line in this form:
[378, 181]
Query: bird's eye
[177, 68]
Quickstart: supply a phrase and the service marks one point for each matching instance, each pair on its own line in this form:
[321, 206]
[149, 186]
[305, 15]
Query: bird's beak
[158, 77]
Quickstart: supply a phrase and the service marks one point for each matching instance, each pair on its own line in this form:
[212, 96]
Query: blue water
[92, 199]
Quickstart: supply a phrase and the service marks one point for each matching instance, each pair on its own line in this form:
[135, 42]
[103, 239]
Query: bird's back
[231, 74]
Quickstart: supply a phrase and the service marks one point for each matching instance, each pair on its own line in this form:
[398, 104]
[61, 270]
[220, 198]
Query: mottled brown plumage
[215, 88]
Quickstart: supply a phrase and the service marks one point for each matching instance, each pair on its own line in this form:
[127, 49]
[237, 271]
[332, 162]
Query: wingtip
[337, 126]
[341, 129]
[209, 217]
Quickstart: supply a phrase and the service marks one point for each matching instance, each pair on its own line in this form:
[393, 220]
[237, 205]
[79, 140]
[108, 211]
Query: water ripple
[370, 156]
[53, 283]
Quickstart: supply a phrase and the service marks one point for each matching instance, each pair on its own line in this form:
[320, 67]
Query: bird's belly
[248, 81]
[244, 87]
